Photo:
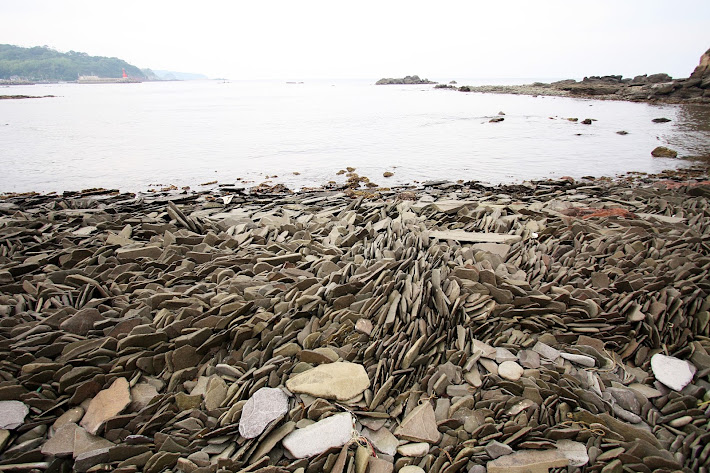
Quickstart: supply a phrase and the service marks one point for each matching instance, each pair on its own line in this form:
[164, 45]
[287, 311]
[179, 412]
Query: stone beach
[557, 325]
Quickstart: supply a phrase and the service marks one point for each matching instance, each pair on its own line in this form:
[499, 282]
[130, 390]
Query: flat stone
[265, 406]
[475, 237]
[73, 415]
[503, 354]
[418, 449]
[85, 442]
[106, 404]
[411, 469]
[62, 442]
[576, 452]
[671, 371]
[419, 425]
[340, 380]
[681, 422]
[380, 465]
[546, 351]
[528, 461]
[334, 431]
[383, 440]
[86, 460]
[12, 414]
[216, 393]
[645, 390]
[81, 322]
[583, 360]
[363, 326]
[141, 395]
[510, 370]
[495, 449]
[186, 402]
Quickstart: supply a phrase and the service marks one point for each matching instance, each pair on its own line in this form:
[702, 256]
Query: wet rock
[663, 152]
[334, 431]
[339, 380]
[265, 406]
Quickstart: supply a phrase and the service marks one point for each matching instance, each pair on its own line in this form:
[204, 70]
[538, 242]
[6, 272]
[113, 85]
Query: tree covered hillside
[43, 63]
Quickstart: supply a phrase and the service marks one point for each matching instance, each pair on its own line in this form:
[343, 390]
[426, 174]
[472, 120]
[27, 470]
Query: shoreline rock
[660, 88]
[515, 321]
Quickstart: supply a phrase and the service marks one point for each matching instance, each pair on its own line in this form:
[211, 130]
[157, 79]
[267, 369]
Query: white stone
[583, 360]
[510, 370]
[418, 449]
[546, 351]
[411, 469]
[340, 380]
[576, 452]
[672, 372]
[334, 431]
[265, 406]
[12, 414]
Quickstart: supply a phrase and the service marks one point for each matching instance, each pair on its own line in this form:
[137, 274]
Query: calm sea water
[140, 136]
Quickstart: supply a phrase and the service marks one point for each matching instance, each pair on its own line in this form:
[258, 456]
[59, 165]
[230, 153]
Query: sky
[299, 39]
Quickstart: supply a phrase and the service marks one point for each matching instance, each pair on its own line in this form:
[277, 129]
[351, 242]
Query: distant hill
[46, 64]
[172, 75]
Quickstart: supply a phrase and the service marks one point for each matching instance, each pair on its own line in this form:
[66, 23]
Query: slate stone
[419, 425]
[265, 406]
[334, 431]
[339, 380]
[106, 404]
[12, 414]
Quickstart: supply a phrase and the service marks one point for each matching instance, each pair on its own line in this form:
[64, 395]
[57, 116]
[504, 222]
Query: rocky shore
[453, 327]
[653, 88]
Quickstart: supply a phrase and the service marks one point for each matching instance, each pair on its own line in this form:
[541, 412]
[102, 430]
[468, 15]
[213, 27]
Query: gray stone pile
[450, 328]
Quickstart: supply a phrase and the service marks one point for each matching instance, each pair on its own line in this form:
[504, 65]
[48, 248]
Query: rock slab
[340, 380]
[528, 461]
[671, 371]
[106, 404]
[265, 406]
[334, 431]
[12, 414]
[419, 425]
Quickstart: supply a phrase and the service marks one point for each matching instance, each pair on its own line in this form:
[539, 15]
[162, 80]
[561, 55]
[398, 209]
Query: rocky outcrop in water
[446, 328]
[404, 80]
[652, 88]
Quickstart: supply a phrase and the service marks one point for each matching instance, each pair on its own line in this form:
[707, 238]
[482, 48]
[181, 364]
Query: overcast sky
[372, 39]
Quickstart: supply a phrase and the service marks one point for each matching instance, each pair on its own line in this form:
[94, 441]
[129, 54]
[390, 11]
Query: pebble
[510, 370]
[418, 449]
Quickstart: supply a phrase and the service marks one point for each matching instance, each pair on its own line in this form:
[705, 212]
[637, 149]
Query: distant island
[43, 64]
[20, 65]
[404, 80]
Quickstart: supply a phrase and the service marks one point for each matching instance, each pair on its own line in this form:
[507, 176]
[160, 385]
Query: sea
[152, 135]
